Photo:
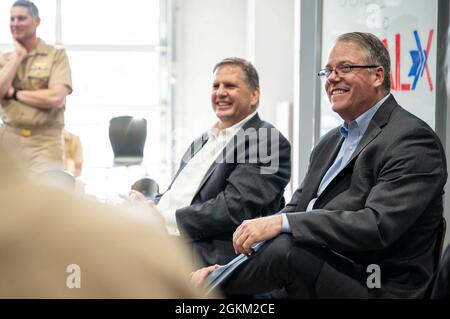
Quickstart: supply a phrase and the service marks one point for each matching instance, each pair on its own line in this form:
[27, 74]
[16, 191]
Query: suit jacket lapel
[193, 149]
[378, 121]
[253, 122]
[323, 161]
[372, 131]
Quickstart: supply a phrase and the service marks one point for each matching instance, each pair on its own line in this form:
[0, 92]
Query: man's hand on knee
[256, 230]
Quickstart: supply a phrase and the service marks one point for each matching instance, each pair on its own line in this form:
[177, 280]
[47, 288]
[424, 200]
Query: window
[119, 67]
[106, 22]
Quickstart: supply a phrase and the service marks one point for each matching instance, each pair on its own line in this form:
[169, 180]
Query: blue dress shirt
[352, 133]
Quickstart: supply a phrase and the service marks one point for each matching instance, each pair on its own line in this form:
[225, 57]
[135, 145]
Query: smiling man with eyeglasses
[351, 71]
[342, 69]
[371, 200]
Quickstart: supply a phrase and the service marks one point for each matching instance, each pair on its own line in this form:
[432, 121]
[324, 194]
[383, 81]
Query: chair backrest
[146, 186]
[441, 287]
[439, 241]
[437, 252]
[127, 136]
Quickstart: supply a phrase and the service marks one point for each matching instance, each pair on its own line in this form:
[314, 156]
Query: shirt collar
[229, 131]
[361, 123]
[41, 48]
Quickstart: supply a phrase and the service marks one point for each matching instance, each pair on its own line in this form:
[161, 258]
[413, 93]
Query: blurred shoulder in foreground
[57, 244]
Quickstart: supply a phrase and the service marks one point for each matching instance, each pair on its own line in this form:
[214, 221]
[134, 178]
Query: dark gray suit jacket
[235, 188]
[384, 207]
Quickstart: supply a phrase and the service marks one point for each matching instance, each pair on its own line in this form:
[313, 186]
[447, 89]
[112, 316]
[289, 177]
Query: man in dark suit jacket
[363, 223]
[236, 171]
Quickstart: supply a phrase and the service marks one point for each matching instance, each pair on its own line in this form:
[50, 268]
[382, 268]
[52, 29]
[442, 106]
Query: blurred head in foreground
[60, 245]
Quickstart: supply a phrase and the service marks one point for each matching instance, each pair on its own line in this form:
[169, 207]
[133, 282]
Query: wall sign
[408, 28]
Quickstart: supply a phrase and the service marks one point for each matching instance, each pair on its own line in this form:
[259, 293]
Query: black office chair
[440, 241]
[127, 136]
[437, 253]
[146, 186]
[441, 287]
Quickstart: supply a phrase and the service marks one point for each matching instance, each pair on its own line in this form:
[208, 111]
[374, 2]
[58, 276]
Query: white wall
[207, 31]
[271, 49]
[210, 30]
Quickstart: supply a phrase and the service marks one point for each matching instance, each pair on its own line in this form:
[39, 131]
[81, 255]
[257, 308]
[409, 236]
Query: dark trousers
[288, 269]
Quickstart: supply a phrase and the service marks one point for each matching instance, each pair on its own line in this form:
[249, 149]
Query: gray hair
[250, 73]
[29, 5]
[376, 52]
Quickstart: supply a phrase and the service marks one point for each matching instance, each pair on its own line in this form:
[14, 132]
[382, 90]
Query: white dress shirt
[188, 181]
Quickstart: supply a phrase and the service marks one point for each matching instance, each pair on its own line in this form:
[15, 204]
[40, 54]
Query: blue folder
[220, 275]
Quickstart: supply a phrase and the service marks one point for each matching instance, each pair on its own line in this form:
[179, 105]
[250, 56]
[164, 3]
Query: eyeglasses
[342, 69]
